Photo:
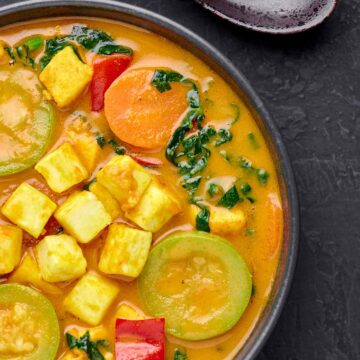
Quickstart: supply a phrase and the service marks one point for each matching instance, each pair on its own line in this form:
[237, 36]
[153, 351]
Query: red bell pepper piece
[140, 339]
[147, 161]
[106, 70]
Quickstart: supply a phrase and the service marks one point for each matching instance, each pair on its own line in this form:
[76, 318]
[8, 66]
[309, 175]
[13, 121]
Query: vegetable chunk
[62, 168]
[28, 273]
[141, 115]
[110, 204]
[83, 216]
[222, 220]
[125, 179]
[156, 207]
[66, 77]
[125, 251]
[10, 248]
[60, 258]
[84, 142]
[128, 312]
[29, 209]
[90, 298]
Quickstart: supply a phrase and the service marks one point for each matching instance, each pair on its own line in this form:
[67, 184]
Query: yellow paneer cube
[28, 273]
[66, 77]
[125, 251]
[60, 258]
[84, 142]
[223, 221]
[91, 297]
[10, 248]
[83, 216]
[29, 209]
[128, 312]
[156, 207]
[125, 179]
[110, 204]
[62, 168]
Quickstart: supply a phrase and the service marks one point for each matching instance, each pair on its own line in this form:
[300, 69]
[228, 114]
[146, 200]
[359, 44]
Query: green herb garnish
[118, 149]
[94, 40]
[262, 176]
[203, 218]
[192, 185]
[253, 141]
[249, 232]
[180, 355]
[230, 198]
[59, 230]
[85, 344]
[245, 190]
[101, 141]
[34, 43]
[224, 136]
[214, 189]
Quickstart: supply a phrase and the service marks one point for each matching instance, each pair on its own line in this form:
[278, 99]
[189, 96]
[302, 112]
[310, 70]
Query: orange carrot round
[139, 114]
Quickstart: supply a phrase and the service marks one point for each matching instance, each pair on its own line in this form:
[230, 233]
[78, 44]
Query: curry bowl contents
[141, 216]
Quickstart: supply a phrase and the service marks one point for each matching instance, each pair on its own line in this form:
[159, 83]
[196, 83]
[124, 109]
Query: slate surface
[311, 85]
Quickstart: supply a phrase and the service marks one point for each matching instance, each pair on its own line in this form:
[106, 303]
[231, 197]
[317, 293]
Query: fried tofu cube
[125, 251]
[83, 216]
[84, 142]
[128, 312]
[156, 207]
[29, 209]
[125, 179]
[66, 77]
[91, 297]
[110, 204]
[62, 168]
[223, 221]
[28, 273]
[60, 258]
[2, 52]
[10, 248]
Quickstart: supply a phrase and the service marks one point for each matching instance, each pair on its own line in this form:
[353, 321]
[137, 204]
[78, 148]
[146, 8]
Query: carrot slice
[274, 225]
[138, 113]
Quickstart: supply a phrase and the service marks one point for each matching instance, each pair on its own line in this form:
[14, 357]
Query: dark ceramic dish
[36, 9]
[272, 16]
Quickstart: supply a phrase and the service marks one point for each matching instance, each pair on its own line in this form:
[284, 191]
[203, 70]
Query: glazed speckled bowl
[37, 9]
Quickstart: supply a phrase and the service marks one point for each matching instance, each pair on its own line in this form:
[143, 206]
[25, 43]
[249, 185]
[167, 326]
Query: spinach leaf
[192, 185]
[180, 355]
[93, 40]
[203, 218]
[224, 136]
[85, 344]
[53, 46]
[230, 198]
[162, 79]
[97, 41]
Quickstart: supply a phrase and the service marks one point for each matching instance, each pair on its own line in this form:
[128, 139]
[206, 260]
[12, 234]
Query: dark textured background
[310, 83]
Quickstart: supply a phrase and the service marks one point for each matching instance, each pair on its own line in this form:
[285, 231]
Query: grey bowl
[35, 9]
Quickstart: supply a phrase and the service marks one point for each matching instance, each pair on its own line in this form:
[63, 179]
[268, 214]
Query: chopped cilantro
[85, 344]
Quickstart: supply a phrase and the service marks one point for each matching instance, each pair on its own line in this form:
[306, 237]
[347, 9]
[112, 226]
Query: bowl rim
[217, 61]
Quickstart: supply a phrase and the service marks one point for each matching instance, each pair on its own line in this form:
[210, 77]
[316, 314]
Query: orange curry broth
[259, 250]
